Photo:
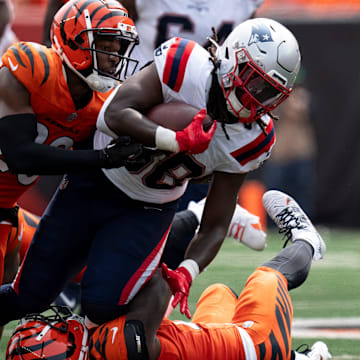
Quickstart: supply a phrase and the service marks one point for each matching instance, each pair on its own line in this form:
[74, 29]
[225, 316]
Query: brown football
[176, 116]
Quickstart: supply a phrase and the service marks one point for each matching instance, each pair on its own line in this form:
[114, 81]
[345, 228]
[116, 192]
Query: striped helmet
[77, 26]
[57, 335]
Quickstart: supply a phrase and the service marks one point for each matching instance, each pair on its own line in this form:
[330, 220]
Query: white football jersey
[160, 20]
[184, 69]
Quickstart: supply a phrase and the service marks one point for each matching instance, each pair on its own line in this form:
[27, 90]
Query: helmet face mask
[257, 92]
[76, 30]
[58, 335]
[259, 62]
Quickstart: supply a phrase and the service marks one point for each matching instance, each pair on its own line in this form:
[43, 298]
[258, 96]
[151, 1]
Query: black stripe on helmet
[68, 10]
[85, 5]
[109, 15]
[96, 10]
[63, 21]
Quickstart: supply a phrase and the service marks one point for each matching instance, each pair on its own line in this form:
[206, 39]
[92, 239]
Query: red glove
[194, 139]
[179, 281]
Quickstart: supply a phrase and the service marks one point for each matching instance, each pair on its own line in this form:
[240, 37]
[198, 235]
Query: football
[176, 116]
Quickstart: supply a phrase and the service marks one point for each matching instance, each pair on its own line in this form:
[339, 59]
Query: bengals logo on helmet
[60, 336]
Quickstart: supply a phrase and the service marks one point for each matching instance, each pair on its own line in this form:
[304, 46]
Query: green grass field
[332, 289]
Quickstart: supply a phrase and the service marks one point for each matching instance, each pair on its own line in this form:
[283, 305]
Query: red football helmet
[61, 335]
[74, 30]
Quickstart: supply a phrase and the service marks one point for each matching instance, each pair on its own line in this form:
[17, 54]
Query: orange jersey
[257, 325]
[181, 340]
[215, 333]
[41, 72]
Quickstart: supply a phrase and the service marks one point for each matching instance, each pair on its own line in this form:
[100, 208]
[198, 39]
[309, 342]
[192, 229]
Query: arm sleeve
[24, 156]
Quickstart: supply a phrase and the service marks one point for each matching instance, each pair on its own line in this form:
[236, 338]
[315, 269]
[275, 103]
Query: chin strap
[100, 83]
[236, 108]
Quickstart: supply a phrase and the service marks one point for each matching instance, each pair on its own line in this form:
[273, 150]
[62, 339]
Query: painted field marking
[332, 328]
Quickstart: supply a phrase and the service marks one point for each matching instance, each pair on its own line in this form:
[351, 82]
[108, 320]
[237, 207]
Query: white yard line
[332, 328]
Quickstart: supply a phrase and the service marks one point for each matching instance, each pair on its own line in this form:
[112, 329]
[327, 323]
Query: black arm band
[24, 156]
[134, 333]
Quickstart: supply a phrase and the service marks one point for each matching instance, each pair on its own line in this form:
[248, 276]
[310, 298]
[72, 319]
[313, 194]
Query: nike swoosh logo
[12, 66]
[21, 233]
[115, 329]
[68, 301]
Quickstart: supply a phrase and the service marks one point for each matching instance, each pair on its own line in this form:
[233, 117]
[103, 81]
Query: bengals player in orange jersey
[254, 326]
[49, 103]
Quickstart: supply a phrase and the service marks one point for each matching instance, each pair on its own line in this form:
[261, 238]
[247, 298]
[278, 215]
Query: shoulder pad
[29, 62]
[171, 59]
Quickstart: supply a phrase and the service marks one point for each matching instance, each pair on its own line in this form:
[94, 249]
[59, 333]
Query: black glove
[120, 152]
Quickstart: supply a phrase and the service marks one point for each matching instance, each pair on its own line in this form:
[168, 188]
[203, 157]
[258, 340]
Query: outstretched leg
[293, 262]
[264, 307]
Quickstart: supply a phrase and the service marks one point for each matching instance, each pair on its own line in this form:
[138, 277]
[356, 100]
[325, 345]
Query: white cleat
[319, 351]
[291, 220]
[244, 227]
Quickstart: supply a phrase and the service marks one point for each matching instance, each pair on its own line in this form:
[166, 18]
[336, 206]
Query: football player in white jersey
[160, 20]
[239, 84]
[156, 22]
[123, 216]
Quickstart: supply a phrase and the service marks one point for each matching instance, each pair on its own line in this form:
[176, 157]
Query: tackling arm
[18, 130]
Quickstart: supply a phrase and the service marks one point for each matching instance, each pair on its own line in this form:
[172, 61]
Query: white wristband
[191, 266]
[165, 139]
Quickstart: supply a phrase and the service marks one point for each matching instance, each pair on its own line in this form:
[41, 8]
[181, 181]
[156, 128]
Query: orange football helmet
[60, 335]
[74, 30]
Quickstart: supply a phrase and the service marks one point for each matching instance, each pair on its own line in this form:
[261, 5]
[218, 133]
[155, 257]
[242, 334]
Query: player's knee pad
[102, 313]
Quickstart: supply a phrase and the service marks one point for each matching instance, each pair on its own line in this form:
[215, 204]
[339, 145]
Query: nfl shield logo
[260, 33]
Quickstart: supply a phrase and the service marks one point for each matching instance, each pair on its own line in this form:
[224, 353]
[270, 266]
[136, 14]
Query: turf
[331, 290]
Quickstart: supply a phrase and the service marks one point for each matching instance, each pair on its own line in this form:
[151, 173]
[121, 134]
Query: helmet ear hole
[79, 39]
